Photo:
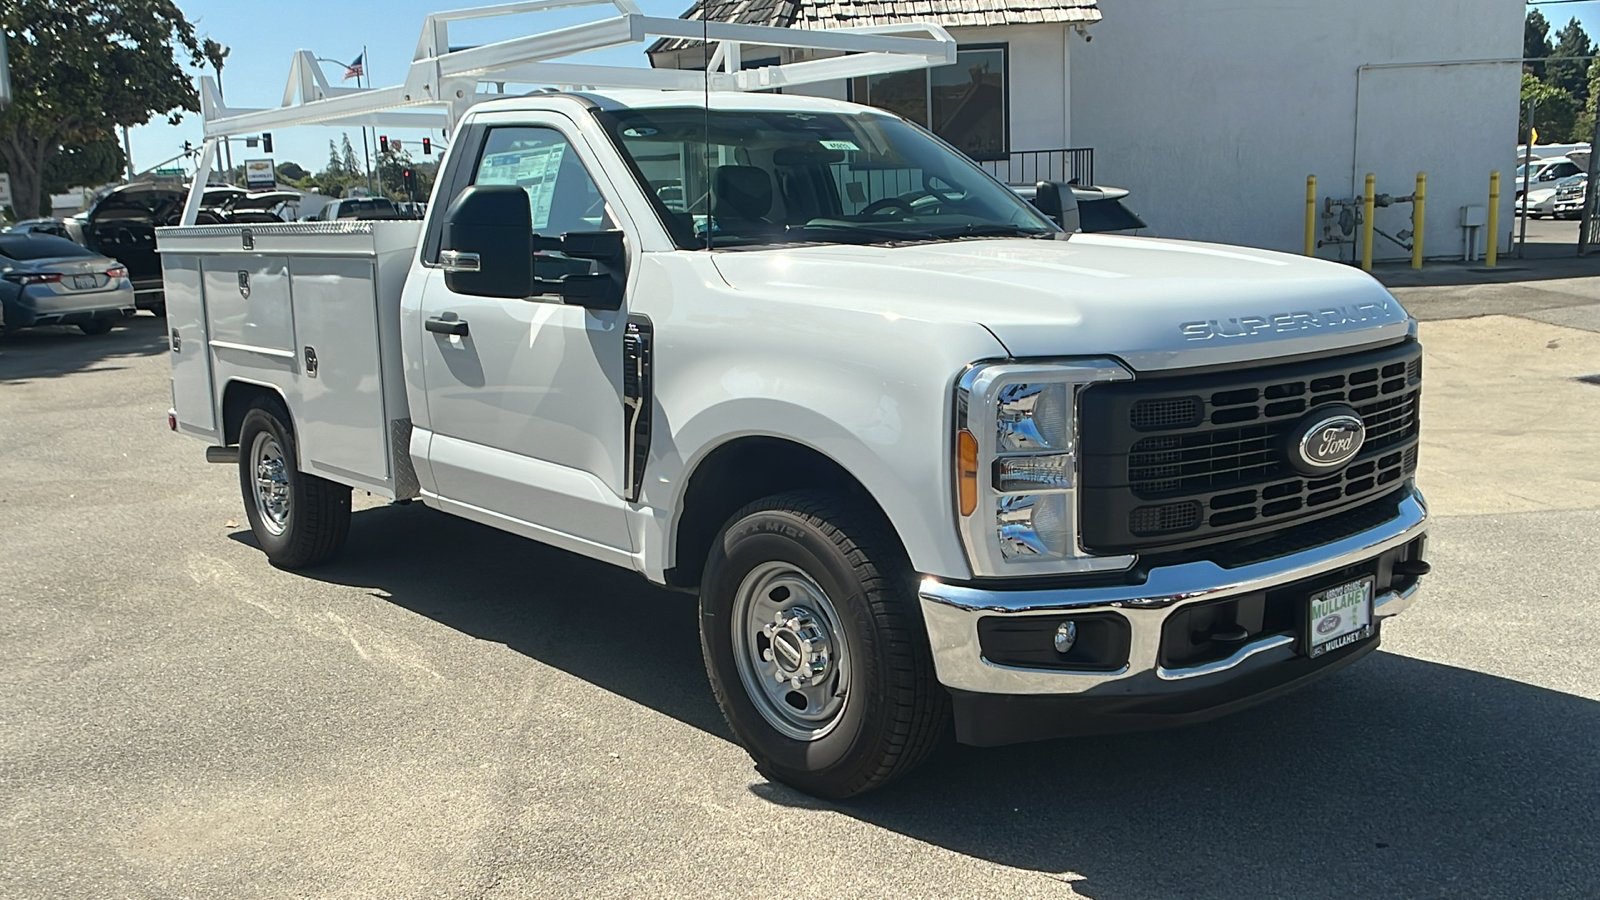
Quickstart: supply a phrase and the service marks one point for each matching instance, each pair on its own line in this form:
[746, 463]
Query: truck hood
[1156, 304]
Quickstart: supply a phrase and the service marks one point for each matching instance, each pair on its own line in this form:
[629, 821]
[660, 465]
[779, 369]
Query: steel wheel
[269, 479]
[790, 651]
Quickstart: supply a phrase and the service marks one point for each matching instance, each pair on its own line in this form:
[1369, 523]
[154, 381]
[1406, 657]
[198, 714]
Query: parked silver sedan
[48, 280]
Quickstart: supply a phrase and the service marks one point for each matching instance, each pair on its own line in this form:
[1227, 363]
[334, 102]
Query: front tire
[815, 646]
[299, 520]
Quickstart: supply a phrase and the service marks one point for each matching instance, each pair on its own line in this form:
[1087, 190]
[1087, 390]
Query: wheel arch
[239, 397]
[741, 470]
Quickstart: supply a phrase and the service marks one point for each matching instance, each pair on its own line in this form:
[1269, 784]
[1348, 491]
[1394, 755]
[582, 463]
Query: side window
[540, 161]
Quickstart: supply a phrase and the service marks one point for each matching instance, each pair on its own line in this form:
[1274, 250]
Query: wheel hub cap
[790, 651]
[798, 647]
[271, 477]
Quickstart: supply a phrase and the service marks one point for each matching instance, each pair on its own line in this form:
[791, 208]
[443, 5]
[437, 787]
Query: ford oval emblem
[1329, 624]
[1326, 440]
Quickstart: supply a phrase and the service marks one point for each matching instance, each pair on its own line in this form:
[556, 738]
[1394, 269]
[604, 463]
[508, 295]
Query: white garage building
[1212, 112]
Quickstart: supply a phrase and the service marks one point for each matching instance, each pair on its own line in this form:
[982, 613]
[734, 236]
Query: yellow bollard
[1368, 205]
[1421, 198]
[1494, 219]
[1311, 215]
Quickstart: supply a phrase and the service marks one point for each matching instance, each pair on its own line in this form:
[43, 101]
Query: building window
[966, 104]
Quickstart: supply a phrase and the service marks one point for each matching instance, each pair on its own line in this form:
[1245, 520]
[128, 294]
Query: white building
[1212, 112]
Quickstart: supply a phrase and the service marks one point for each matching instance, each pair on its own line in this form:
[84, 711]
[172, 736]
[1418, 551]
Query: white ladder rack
[441, 83]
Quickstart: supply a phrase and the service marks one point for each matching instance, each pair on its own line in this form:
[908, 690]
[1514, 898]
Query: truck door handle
[447, 326]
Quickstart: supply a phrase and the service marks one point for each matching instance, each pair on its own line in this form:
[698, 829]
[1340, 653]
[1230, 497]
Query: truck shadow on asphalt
[1395, 777]
[56, 350]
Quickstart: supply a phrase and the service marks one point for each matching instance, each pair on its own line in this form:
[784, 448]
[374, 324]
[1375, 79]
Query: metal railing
[1023, 167]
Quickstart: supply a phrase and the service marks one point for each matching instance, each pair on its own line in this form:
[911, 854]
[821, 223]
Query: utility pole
[127, 152]
[366, 152]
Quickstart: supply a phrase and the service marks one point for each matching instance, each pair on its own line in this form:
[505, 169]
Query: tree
[1555, 112]
[79, 68]
[1570, 74]
[347, 158]
[335, 164]
[288, 171]
[1535, 42]
[84, 165]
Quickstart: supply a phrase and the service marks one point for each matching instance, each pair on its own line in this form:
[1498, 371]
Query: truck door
[526, 408]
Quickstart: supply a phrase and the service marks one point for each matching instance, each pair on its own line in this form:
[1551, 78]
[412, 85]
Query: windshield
[735, 178]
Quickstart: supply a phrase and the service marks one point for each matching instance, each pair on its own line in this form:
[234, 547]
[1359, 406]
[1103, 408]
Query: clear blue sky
[264, 36]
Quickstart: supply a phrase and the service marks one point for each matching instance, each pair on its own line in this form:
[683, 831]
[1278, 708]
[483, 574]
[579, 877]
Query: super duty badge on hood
[1288, 322]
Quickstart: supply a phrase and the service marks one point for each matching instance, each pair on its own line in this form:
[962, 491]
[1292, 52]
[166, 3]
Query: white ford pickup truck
[926, 457]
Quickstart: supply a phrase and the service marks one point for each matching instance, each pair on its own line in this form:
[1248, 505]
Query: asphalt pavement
[452, 712]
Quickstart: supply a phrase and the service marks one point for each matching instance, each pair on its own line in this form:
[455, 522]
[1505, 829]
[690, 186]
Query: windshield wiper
[881, 234]
[988, 230]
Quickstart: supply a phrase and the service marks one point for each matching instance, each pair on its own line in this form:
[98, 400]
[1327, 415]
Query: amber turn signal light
[967, 472]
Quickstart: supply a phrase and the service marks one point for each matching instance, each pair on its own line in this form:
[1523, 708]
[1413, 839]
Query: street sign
[175, 170]
[258, 173]
[5, 189]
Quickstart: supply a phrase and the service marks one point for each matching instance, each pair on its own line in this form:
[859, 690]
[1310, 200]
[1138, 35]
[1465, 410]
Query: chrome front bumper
[952, 613]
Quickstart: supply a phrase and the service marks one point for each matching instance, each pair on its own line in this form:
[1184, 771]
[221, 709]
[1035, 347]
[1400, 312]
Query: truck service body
[1032, 482]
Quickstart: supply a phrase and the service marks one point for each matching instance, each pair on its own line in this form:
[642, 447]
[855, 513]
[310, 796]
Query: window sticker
[839, 145]
[534, 170]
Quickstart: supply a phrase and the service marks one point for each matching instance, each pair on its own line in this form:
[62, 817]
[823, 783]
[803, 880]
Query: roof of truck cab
[652, 99]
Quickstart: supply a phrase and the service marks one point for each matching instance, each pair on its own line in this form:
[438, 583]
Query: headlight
[1016, 466]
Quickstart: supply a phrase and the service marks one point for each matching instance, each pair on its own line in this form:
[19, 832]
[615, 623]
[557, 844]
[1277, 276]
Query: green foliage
[393, 166]
[1536, 41]
[88, 165]
[347, 158]
[1571, 74]
[81, 67]
[1555, 112]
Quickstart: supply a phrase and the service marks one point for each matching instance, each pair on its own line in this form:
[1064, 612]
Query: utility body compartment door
[526, 407]
[340, 414]
[192, 396]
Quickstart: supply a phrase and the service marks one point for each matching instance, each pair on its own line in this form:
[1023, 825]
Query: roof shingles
[817, 14]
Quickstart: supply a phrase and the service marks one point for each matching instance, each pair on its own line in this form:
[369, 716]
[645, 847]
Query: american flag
[357, 68]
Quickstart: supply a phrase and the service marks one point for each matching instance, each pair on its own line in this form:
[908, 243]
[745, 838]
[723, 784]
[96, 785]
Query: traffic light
[409, 178]
[266, 142]
[383, 143]
[188, 149]
[427, 146]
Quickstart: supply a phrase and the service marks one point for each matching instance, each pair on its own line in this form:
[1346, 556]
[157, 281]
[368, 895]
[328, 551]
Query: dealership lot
[448, 711]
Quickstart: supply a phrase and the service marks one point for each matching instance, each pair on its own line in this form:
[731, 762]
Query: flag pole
[366, 153]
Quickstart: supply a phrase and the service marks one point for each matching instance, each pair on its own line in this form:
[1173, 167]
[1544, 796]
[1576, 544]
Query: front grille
[1179, 461]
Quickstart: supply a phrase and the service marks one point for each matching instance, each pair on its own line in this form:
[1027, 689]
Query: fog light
[1066, 636]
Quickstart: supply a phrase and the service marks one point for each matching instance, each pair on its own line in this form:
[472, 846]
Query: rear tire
[813, 586]
[299, 520]
[95, 326]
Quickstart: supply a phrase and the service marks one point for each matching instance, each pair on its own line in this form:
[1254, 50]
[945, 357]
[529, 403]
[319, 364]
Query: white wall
[1213, 112]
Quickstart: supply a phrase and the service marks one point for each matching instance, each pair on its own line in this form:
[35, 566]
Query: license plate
[1340, 616]
[83, 282]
